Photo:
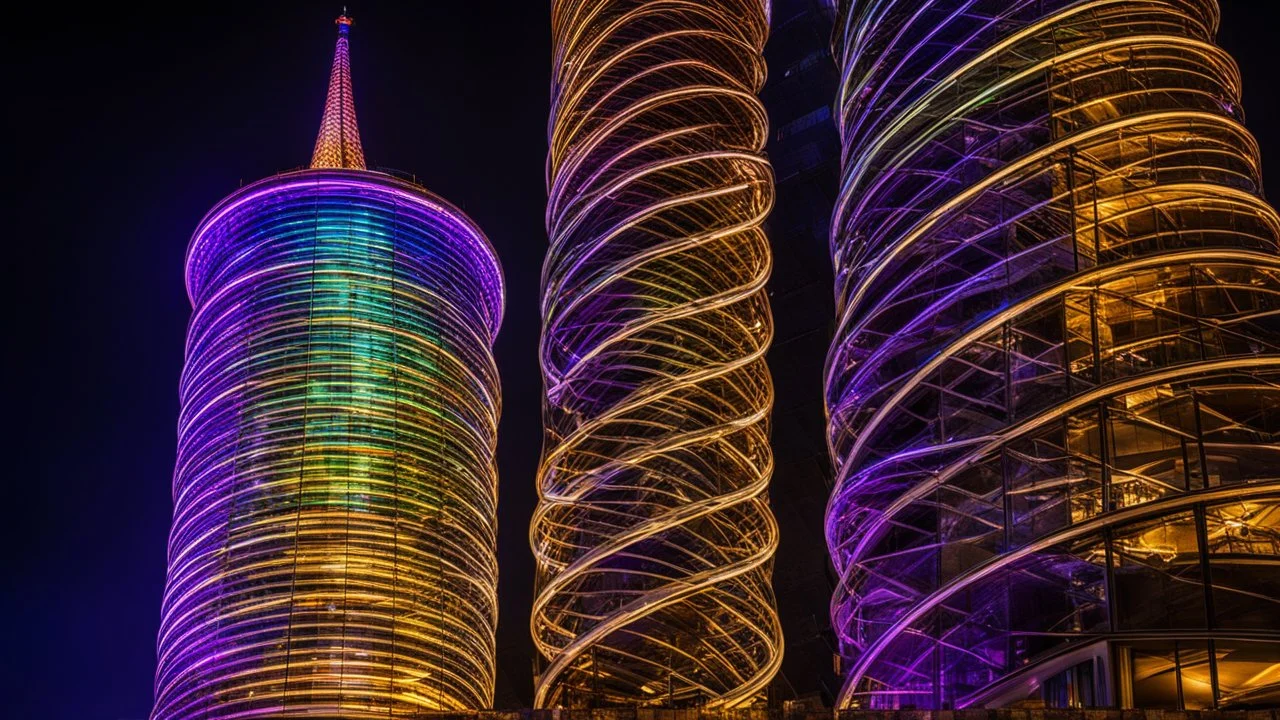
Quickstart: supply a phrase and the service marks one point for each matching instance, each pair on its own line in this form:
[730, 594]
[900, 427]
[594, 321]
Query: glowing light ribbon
[654, 537]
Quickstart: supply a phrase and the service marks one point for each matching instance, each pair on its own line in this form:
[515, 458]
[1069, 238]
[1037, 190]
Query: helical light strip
[653, 535]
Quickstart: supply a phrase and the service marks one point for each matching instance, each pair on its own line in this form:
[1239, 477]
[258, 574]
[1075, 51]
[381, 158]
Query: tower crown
[338, 144]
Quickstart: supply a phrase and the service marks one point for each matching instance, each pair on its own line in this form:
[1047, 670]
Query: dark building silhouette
[804, 150]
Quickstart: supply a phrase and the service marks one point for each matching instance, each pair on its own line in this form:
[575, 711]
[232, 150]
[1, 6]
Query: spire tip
[338, 144]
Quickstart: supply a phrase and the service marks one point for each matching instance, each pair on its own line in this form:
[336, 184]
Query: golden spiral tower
[653, 536]
[1054, 391]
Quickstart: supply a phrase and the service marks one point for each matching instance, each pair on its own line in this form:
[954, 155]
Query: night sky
[123, 127]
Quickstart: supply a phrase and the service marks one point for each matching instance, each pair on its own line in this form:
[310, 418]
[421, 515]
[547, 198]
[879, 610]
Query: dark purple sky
[123, 128]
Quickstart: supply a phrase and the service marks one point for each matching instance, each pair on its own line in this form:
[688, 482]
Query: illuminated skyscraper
[654, 538]
[1054, 391]
[333, 544]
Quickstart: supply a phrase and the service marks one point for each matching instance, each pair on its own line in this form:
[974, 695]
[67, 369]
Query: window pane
[1244, 560]
[1153, 676]
[1154, 450]
[1239, 430]
[1158, 580]
[1248, 674]
[1197, 689]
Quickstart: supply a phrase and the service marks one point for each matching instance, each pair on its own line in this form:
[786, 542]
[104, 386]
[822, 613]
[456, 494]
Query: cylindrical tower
[333, 543]
[654, 536]
[1054, 390]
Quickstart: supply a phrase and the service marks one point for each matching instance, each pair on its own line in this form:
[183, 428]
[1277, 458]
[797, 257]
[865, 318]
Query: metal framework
[654, 536]
[332, 552]
[1053, 392]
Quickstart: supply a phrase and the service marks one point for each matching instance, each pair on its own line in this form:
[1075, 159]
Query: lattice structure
[1053, 393]
[338, 144]
[333, 548]
[654, 536]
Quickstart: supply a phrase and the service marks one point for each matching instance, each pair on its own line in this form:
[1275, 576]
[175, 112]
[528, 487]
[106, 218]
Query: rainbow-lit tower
[333, 544]
[1054, 391]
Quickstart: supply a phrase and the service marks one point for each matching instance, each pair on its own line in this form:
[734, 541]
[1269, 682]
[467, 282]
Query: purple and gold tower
[653, 535]
[1054, 391]
[332, 552]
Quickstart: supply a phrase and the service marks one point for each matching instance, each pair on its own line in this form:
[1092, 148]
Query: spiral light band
[1054, 390]
[332, 552]
[653, 535]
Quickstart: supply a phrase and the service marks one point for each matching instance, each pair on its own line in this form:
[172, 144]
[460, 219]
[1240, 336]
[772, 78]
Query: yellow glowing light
[653, 537]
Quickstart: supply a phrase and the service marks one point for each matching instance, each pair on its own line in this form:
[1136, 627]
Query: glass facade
[1053, 397]
[333, 546]
[653, 535]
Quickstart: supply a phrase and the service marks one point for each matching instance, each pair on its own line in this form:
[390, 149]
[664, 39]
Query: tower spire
[338, 144]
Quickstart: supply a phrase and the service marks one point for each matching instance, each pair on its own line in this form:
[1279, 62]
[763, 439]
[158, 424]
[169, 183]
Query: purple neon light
[1054, 358]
